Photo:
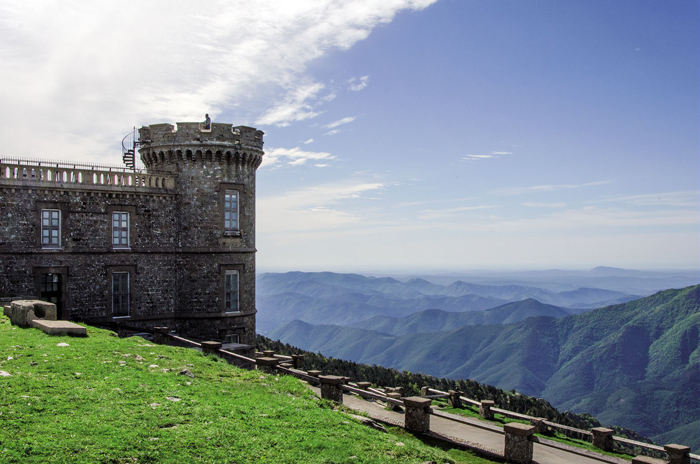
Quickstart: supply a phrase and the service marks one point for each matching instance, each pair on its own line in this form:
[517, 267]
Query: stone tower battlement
[165, 145]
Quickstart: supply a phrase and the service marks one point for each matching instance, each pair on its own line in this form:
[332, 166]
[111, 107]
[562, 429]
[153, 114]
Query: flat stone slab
[59, 328]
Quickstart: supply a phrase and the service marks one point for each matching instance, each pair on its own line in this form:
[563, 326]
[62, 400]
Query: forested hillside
[635, 364]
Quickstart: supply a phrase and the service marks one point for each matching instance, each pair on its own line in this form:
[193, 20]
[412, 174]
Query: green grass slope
[105, 399]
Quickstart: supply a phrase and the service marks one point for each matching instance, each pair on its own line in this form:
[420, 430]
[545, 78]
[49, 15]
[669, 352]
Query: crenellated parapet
[163, 146]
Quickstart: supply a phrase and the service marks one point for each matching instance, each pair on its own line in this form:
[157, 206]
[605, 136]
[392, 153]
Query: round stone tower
[214, 218]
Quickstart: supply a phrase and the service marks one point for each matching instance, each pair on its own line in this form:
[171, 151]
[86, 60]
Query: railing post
[424, 391]
[518, 446]
[454, 399]
[417, 415]
[298, 361]
[678, 454]
[211, 347]
[485, 409]
[538, 423]
[603, 438]
[269, 353]
[267, 364]
[332, 388]
[364, 385]
[160, 335]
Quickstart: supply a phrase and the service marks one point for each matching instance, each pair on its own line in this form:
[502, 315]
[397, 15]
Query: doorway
[50, 285]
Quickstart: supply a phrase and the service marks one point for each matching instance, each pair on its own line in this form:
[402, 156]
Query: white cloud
[546, 188]
[294, 107]
[450, 212]
[333, 132]
[84, 76]
[322, 165]
[544, 205]
[340, 122]
[493, 154]
[313, 208]
[689, 198]
[275, 157]
[358, 84]
[306, 142]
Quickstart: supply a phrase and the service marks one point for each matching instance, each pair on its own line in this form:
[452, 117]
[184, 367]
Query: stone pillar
[454, 400]
[678, 454]
[267, 364]
[314, 373]
[210, 347]
[538, 423]
[603, 438]
[485, 409]
[160, 335]
[417, 414]
[518, 445]
[332, 388]
[424, 391]
[269, 354]
[363, 385]
[298, 361]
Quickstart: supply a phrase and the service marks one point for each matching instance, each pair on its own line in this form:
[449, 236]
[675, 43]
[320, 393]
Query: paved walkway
[479, 434]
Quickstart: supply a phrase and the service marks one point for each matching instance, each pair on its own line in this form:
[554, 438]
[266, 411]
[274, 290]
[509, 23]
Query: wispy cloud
[314, 208]
[544, 205]
[493, 154]
[294, 107]
[358, 84]
[64, 61]
[450, 212]
[306, 142]
[546, 188]
[340, 122]
[689, 198]
[333, 132]
[275, 157]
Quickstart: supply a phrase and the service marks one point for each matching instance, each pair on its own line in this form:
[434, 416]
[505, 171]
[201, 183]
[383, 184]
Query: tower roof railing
[48, 163]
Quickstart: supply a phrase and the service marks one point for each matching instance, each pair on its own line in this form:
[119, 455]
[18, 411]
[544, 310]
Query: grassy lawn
[102, 399]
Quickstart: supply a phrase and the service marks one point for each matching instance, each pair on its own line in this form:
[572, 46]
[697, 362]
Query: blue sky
[403, 135]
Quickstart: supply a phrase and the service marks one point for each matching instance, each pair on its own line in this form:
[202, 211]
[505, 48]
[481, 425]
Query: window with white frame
[120, 294]
[231, 291]
[50, 228]
[231, 211]
[120, 229]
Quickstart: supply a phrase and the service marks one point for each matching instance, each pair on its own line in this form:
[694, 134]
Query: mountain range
[635, 364]
[348, 299]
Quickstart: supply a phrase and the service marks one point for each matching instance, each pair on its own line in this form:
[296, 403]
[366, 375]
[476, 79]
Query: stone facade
[180, 259]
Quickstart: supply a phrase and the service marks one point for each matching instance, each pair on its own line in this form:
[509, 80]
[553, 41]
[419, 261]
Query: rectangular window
[231, 211]
[120, 229]
[232, 338]
[231, 291]
[120, 294]
[50, 228]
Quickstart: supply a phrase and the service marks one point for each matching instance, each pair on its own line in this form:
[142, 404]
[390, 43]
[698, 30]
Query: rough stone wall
[179, 251]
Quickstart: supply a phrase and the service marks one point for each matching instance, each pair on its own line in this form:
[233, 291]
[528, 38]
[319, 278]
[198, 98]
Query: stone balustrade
[52, 173]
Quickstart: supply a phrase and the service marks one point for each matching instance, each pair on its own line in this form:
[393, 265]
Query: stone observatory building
[170, 245]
